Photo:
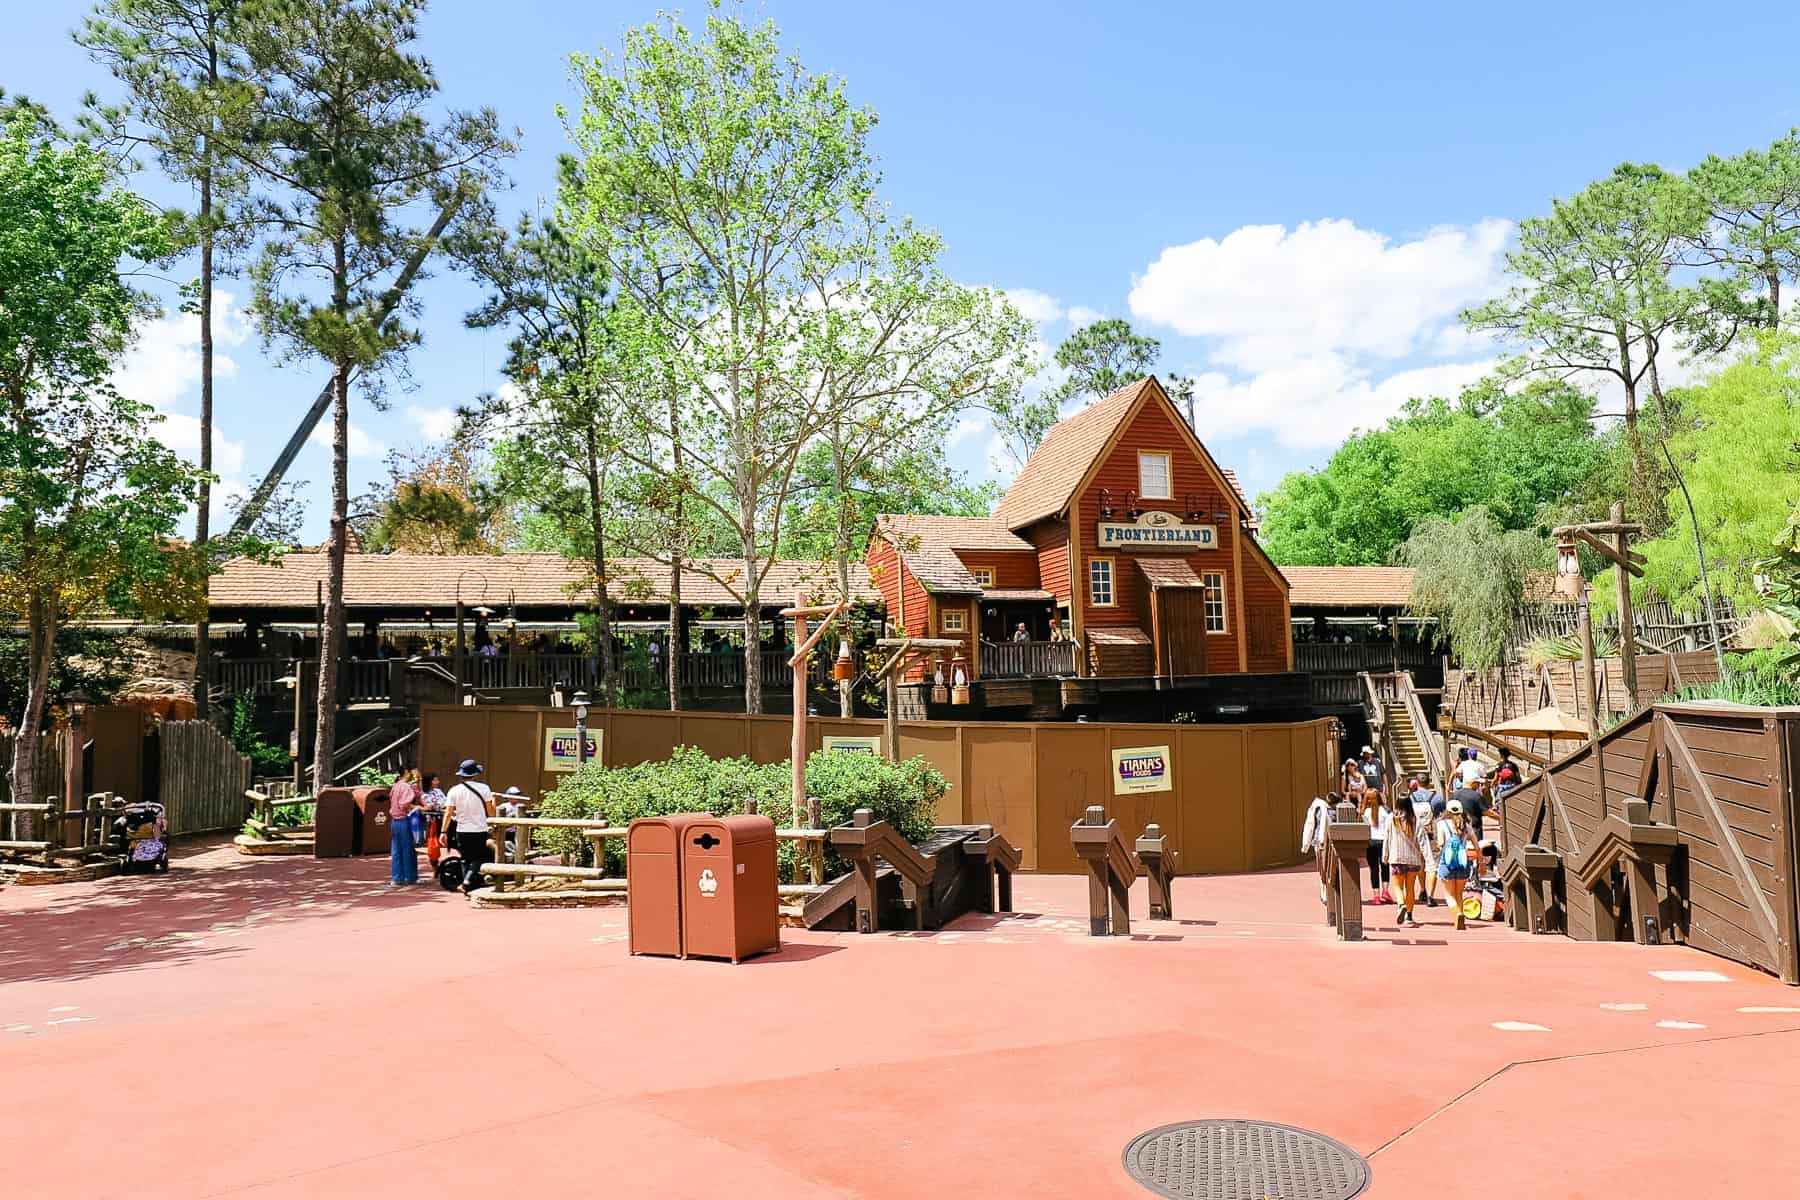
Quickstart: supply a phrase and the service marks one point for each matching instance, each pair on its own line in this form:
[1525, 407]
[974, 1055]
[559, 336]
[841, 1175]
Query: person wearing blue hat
[470, 803]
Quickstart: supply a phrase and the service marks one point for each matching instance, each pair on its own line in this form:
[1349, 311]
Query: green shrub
[904, 794]
[1761, 677]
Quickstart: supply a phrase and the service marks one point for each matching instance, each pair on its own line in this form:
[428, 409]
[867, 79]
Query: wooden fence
[1659, 626]
[1486, 698]
[202, 777]
[49, 778]
[1724, 777]
[1236, 795]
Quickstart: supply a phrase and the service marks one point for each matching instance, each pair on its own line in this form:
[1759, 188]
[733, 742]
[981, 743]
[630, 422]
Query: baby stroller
[1485, 883]
[142, 833]
[448, 866]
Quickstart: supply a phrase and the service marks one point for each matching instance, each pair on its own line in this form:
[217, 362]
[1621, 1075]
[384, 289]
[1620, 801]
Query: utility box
[730, 894]
[653, 882]
[335, 820]
[373, 827]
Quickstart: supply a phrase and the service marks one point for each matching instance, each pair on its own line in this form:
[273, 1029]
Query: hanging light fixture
[1568, 569]
[844, 669]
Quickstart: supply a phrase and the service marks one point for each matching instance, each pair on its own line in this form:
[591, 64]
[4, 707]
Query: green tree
[1100, 358]
[1596, 295]
[88, 496]
[1469, 577]
[341, 134]
[186, 100]
[1741, 461]
[559, 422]
[724, 186]
[1513, 452]
[1753, 231]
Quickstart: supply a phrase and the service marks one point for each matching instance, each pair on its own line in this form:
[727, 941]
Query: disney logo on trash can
[708, 883]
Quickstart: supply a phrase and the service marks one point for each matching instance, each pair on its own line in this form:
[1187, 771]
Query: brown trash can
[653, 882]
[372, 827]
[335, 823]
[730, 894]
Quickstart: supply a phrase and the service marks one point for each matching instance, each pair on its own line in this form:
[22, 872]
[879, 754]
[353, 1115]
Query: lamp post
[459, 624]
[74, 782]
[292, 681]
[581, 716]
[1569, 581]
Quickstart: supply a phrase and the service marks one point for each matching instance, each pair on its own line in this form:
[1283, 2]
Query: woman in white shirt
[1375, 812]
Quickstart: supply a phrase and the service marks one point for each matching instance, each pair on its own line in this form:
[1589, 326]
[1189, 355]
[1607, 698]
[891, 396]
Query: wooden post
[1627, 632]
[892, 722]
[1593, 697]
[1098, 897]
[799, 745]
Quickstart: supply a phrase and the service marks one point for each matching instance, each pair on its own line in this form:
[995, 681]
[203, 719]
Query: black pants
[1378, 870]
[474, 850]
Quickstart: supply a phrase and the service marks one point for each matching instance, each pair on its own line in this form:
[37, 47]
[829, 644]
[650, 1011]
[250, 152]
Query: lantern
[1568, 570]
[844, 669]
[959, 681]
[939, 693]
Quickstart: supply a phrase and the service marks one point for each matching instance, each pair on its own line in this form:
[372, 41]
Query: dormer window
[1153, 475]
[983, 576]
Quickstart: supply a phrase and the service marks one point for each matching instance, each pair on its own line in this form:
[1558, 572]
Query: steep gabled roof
[1056, 468]
[928, 546]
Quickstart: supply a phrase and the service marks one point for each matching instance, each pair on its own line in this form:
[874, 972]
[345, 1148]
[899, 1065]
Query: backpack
[1455, 855]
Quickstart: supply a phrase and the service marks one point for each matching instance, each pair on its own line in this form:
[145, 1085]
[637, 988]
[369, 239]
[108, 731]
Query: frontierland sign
[1156, 529]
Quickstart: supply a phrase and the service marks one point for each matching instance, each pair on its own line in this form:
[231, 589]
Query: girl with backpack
[1405, 859]
[1456, 853]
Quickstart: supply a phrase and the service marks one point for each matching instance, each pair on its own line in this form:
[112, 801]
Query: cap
[1368, 750]
[1456, 806]
[469, 768]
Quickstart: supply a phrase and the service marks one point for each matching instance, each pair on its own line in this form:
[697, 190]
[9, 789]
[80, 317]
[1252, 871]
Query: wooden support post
[1159, 867]
[1111, 868]
[891, 723]
[1348, 837]
[1627, 633]
[799, 744]
[1593, 698]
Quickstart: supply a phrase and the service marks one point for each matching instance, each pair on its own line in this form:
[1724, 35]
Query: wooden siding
[1268, 631]
[1154, 429]
[1012, 568]
[968, 607]
[1239, 792]
[908, 604]
[1052, 541]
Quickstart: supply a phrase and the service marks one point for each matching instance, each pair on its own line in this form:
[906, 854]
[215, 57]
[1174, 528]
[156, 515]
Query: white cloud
[163, 364]
[1313, 402]
[1081, 316]
[181, 433]
[966, 427]
[1035, 305]
[435, 424]
[1312, 332]
[361, 444]
[1268, 294]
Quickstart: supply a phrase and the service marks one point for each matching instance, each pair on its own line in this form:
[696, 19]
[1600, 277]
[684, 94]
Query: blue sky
[1296, 198]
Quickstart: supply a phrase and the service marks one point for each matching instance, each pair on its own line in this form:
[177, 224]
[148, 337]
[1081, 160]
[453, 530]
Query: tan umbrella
[1550, 722]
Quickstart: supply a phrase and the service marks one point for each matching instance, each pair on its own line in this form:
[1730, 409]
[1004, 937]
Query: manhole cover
[1244, 1160]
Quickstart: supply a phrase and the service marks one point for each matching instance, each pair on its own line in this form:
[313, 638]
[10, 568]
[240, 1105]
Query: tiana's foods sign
[1157, 530]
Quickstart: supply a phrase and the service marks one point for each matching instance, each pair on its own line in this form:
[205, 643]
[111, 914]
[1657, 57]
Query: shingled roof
[536, 580]
[1055, 469]
[1348, 587]
[928, 546]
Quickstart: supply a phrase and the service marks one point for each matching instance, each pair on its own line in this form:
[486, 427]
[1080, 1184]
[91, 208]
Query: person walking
[1427, 805]
[1351, 782]
[1405, 859]
[1374, 775]
[1454, 855]
[1375, 812]
[469, 804]
[1470, 772]
[403, 853]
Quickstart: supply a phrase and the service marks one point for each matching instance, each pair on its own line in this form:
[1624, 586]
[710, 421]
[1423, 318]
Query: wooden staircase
[1405, 742]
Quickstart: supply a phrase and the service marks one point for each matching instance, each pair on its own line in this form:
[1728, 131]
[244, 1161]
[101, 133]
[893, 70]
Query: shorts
[1452, 872]
[1404, 869]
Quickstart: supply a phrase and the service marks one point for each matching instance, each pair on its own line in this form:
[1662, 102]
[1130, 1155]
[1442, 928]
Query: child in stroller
[142, 834]
[1485, 883]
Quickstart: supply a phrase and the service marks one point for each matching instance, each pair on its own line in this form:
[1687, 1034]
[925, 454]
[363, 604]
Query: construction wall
[1236, 800]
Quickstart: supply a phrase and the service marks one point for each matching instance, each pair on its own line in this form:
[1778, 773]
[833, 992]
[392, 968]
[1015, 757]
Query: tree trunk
[1633, 439]
[1774, 278]
[41, 643]
[846, 687]
[677, 640]
[203, 500]
[753, 697]
[325, 730]
[602, 603]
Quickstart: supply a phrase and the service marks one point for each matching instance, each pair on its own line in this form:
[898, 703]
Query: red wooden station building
[1122, 550]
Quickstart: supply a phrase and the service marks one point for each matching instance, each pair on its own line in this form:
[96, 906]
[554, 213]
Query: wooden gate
[1182, 625]
[202, 777]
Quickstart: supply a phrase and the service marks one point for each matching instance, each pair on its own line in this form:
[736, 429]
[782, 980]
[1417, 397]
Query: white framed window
[1153, 475]
[1100, 582]
[983, 575]
[951, 620]
[1213, 588]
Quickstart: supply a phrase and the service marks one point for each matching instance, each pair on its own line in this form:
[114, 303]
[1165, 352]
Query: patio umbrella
[1551, 723]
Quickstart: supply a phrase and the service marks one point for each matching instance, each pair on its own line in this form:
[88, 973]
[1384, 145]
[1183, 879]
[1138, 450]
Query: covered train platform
[296, 1028]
